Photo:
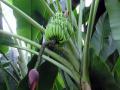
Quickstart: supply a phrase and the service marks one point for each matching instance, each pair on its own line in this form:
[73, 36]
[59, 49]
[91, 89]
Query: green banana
[58, 28]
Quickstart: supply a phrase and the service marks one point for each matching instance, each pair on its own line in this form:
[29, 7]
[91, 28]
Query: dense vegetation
[64, 49]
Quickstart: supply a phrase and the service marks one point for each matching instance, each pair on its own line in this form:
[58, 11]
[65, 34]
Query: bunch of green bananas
[58, 28]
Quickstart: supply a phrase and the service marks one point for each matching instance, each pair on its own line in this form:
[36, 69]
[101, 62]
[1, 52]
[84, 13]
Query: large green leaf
[23, 27]
[102, 41]
[113, 9]
[101, 76]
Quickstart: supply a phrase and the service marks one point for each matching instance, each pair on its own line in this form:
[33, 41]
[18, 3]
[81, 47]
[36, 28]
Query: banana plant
[67, 50]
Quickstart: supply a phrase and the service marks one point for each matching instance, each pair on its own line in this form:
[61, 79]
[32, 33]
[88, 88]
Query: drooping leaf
[102, 40]
[101, 76]
[113, 9]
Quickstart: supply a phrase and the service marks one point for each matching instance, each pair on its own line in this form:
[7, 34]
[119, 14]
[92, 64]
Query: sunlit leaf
[23, 27]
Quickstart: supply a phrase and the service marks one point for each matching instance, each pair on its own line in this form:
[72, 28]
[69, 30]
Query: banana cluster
[58, 28]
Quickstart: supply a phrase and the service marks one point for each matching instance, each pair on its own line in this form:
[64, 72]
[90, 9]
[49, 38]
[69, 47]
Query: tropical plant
[65, 50]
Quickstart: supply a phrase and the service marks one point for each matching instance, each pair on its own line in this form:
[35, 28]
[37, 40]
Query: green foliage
[23, 27]
[59, 83]
[101, 76]
[114, 15]
[4, 48]
[74, 64]
[102, 40]
[43, 8]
